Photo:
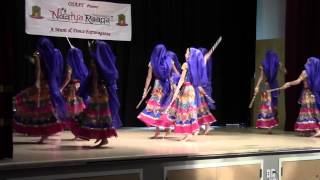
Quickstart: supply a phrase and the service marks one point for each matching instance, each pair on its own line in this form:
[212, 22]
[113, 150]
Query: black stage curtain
[178, 24]
[302, 41]
[6, 86]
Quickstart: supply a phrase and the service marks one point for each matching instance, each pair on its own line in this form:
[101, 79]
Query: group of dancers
[181, 95]
[308, 120]
[74, 94]
[82, 95]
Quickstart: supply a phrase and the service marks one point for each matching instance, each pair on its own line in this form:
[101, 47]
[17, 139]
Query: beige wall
[262, 46]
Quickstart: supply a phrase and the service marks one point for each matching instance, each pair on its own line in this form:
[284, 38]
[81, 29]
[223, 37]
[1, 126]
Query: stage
[134, 146]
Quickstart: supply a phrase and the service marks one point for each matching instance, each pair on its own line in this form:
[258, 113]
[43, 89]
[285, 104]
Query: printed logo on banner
[36, 12]
[122, 20]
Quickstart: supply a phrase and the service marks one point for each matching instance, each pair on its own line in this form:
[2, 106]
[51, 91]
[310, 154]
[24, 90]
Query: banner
[79, 19]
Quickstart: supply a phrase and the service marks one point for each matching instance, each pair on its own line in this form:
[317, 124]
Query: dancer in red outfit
[40, 108]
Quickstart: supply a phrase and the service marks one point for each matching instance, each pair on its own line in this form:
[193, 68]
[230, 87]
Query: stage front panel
[239, 172]
[243, 172]
[302, 169]
[193, 174]
[135, 176]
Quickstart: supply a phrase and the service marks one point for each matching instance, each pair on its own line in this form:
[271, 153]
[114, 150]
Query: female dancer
[40, 108]
[161, 66]
[176, 68]
[100, 118]
[205, 117]
[267, 118]
[309, 116]
[76, 73]
[182, 111]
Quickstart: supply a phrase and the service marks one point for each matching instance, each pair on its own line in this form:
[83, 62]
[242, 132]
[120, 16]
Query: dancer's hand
[144, 95]
[256, 90]
[37, 84]
[77, 85]
[36, 55]
[286, 85]
[202, 91]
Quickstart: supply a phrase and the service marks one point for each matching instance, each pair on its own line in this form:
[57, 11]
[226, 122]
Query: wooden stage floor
[134, 143]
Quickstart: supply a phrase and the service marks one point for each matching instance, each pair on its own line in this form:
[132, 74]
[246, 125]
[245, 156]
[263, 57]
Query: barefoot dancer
[100, 118]
[267, 118]
[205, 117]
[182, 112]
[309, 116]
[40, 108]
[76, 73]
[161, 66]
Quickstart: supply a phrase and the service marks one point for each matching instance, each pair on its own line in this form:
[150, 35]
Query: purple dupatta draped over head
[208, 86]
[198, 71]
[52, 60]
[270, 67]
[76, 62]
[108, 72]
[174, 76]
[173, 56]
[161, 66]
[312, 68]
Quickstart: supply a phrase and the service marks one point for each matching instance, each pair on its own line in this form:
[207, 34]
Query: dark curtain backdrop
[302, 41]
[178, 24]
[6, 86]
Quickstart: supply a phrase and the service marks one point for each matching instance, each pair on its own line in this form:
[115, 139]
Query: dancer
[205, 117]
[267, 118]
[309, 115]
[174, 79]
[100, 118]
[76, 73]
[40, 108]
[160, 66]
[176, 68]
[182, 111]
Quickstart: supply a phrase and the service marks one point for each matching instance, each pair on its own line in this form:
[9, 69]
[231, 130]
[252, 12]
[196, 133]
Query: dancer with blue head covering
[162, 64]
[182, 112]
[101, 116]
[176, 68]
[40, 108]
[309, 115]
[267, 118]
[205, 117]
[76, 73]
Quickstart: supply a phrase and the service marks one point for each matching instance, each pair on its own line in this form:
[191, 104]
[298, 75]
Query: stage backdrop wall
[302, 41]
[178, 24]
[270, 35]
